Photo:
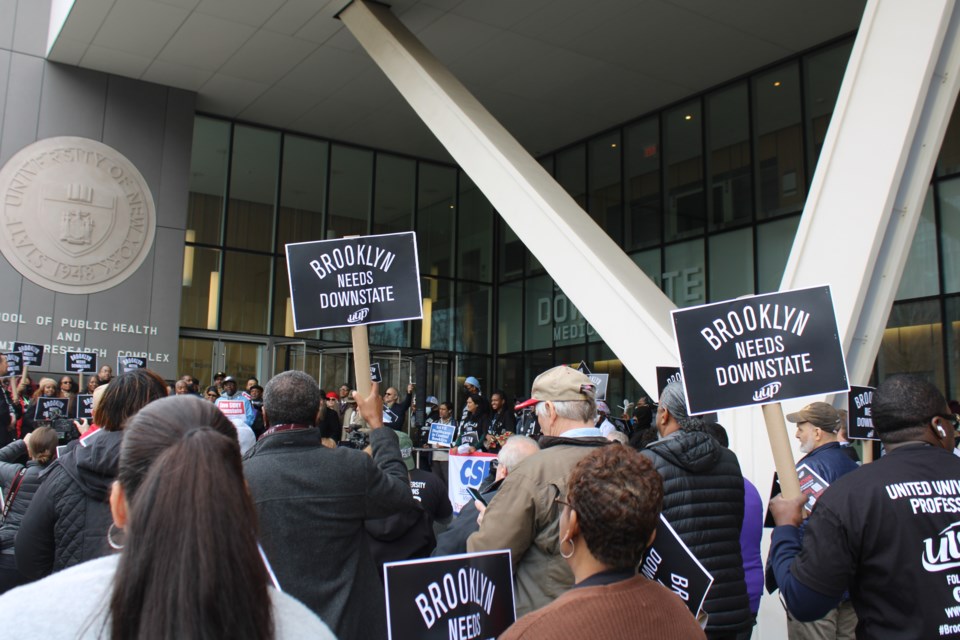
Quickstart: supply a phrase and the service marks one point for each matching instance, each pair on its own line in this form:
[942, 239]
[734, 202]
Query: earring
[116, 546]
[573, 549]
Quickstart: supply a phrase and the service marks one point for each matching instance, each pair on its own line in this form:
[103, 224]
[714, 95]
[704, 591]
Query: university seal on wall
[75, 215]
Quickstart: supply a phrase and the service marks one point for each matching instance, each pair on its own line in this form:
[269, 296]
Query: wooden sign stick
[80, 384]
[780, 446]
[361, 359]
[867, 451]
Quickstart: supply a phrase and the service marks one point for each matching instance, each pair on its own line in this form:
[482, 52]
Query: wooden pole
[361, 359]
[780, 446]
[867, 451]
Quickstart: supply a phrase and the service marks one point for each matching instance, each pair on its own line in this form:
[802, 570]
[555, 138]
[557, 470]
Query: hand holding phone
[476, 495]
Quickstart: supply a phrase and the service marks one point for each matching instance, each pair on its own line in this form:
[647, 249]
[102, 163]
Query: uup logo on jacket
[75, 215]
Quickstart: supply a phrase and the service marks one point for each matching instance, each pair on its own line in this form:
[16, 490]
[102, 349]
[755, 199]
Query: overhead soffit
[552, 71]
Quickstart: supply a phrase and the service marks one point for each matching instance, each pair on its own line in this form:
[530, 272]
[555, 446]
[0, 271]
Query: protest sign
[583, 368]
[130, 363]
[14, 363]
[759, 350]
[600, 381]
[466, 471]
[354, 281]
[860, 414]
[50, 408]
[441, 434]
[463, 596]
[375, 375]
[32, 354]
[84, 406]
[234, 410]
[812, 485]
[671, 563]
[80, 362]
[666, 375]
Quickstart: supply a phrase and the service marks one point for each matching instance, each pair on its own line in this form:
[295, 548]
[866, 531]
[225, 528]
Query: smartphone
[476, 495]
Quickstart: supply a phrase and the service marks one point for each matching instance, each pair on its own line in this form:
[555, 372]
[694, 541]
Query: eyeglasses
[559, 501]
[952, 418]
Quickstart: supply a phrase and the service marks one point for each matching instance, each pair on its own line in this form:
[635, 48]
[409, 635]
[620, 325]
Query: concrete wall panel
[22, 102]
[72, 103]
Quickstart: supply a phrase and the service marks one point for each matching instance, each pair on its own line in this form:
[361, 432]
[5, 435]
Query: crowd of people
[185, 511]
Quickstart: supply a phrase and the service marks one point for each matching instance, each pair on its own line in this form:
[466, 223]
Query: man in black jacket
[703, 501]
[312, 502]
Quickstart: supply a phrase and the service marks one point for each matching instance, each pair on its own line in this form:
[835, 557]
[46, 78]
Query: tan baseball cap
[819, 414]
[560, 384]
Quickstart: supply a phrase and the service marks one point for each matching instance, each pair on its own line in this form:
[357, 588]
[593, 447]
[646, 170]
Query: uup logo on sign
[75, 215]
[358, 315]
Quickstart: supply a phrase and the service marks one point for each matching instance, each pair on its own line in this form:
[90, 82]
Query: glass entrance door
[203, 357]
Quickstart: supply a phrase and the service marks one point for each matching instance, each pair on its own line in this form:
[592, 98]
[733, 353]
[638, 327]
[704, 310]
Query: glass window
[728, 160]
[949, 160]
[780, 177]
[351, 180]
[510, 318]
[282, 307]
[474, 233]
[436, 209]
[569, 325]
[393, 195]
[649, 263]
[246, 292]
[683, 277]
[683, 154]
[512, 253]
[254, 169]
[822, 75]
[473, 317]
[303, 191]
[571, 172]
[949, 195]
[538, 316]
[603, 179]
[731, 265]
[436, 329]
[913, 342]
[774, 241]
[642, 171]
[953, 351]
[200, 300]
[510, 377]
[390, 334]
[920, 277]
[208, 180]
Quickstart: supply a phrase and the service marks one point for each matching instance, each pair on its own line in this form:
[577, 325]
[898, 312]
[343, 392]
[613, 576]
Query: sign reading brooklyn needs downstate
[354, 281]
[760, 349]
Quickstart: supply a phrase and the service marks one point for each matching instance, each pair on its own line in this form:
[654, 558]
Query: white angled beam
[868, 190]
[634, 319]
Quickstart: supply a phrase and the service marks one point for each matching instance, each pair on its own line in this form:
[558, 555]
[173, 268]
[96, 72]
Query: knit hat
[406, 449]
[472, 381]
[819, 414]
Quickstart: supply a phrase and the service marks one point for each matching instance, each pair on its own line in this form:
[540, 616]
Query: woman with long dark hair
[189, 565]
[474, 425]
[67, 521]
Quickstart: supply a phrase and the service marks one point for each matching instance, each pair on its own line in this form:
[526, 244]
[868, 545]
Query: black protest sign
[461, 596]
[80, 362]
[50, 408]
[14, 363]
[375, 375]
[666, 375]
[84, 406]
[583, 368]
[130, 363]
[354, 281]
[760, 349]
[860, 414]
[600, 381]
[32, 353]
[812, 485]
[670, 562]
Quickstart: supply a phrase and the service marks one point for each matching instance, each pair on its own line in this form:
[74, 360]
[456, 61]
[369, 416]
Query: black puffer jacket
[68, 519]
[703, 501]
[10, 466]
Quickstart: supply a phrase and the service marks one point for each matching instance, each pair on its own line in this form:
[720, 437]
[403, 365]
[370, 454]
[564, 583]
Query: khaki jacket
[524, 518]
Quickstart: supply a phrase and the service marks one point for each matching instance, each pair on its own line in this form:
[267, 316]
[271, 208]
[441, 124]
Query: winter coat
[9, 470]
[703, 500]
[68, 519]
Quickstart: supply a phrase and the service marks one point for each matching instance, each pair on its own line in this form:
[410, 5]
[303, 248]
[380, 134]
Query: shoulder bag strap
[14, 490]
